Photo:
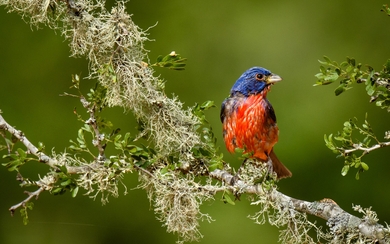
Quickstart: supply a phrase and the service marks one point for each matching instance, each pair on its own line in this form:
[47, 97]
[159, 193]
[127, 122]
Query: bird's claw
[233, 181]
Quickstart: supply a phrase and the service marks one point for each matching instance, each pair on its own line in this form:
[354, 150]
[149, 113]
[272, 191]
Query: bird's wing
[270, 111]
[222, 114]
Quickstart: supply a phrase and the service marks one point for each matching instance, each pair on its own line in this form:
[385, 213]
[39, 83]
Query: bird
[249, 120]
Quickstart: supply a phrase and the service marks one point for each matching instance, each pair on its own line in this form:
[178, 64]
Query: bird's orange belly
[249, 127]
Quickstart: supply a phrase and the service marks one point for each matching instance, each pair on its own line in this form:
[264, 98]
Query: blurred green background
[221, 39]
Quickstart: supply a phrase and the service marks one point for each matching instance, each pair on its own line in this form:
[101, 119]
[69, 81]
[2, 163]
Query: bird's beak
[273, 79]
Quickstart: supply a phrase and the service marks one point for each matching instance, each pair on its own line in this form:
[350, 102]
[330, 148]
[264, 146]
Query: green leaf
[66, 183]
[57, 191]
[370, 90]
[75, 191]
[364, 166]
[340, 89]
[322, 62]
[159, 59]
[215, 164]
[387, 66]
[172, 61]
[357, 175]
[166, 58]
[357, 163]
[207, 104]
[167, 65]
[64, 169]
[164, 170]
[227, 199]
[327, 60]
[22, 153]
[322, 69]
[347, 124]
[247, 155]
[23, 213]
[331, 77]
[386, 9]
[351, 61]
[41, 147]
[344, 170]
[330, 144]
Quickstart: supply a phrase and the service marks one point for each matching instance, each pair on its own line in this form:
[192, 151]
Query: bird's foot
[268, 174]
[270, 167]
[233, 181]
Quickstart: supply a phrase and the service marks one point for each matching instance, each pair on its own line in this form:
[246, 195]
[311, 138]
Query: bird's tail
[278, 167]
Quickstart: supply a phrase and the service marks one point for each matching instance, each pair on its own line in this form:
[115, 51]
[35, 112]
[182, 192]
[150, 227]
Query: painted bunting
[249, 120]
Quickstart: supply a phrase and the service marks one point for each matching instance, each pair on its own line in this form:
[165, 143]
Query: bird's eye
[259, 77]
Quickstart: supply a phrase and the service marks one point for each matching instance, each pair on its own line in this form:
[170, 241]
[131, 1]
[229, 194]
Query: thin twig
[31, 148]
[366, 150]
[42, 157]
[93, 123]
[30, 196]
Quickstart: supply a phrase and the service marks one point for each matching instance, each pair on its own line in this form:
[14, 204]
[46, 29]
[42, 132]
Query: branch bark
[366, 150]
[31, 147]
[42, 157]
[30, 196]
[337, 219]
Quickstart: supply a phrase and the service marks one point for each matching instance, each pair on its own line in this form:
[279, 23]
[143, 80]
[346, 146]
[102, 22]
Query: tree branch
[42, 157]
[358, 147]
[31, 148]
[30, 196]
[97, 142]
[337, 219]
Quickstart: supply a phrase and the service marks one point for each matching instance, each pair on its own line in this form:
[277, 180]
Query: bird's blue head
[254, 81]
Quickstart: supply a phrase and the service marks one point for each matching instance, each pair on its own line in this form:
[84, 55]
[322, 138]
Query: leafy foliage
[24, 212]
[347, 145]
[17, 159]
[207, 153]
[377, 83]
[172, 61]
[386, 9]
[349, 73]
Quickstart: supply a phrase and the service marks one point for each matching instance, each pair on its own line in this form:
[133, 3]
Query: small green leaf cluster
[81, 145]
[207, 153]
[16, 160]
[95, 104]
[386, 9]
[227, 199]
[243, 155]
[172, 61]
[140, 155]
[379, 87]
[347, 72]
[64, 182]
[107, 71]
[20, 156]
[348, 146]
[350, 72]
[96, 96]
[24, 211]
[9, 142]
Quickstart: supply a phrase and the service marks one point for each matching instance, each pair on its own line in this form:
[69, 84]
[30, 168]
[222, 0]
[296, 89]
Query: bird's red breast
[250, 123]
